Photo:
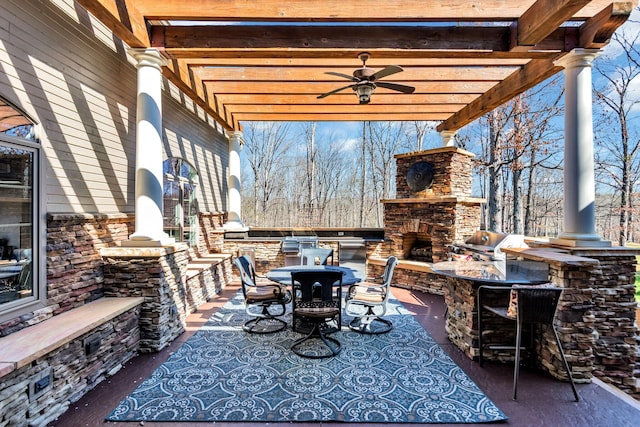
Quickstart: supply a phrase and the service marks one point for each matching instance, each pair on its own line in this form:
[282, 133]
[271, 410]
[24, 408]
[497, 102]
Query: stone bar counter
[463, 278]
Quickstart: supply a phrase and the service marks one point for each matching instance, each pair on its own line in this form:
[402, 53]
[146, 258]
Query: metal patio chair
[259, 300]
[317, 299]
[367, 303]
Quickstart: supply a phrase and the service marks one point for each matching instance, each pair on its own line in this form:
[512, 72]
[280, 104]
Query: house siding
[69, 75]
[75, 80]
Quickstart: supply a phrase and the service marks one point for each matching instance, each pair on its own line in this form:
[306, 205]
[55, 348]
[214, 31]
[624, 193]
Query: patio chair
[259, 299]
[317, 300]
[320, 256]
[367, 303]
[529, 305]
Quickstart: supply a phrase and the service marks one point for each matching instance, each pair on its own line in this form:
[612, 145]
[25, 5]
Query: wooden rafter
[268, 60]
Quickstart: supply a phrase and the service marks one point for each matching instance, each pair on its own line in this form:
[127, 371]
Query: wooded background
[291, 177]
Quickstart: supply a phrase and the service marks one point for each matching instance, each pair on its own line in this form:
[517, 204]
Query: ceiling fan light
[364, 92]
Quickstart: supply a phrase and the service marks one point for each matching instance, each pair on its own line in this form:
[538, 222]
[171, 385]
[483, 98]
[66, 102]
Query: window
[180, 203]
[19, 212]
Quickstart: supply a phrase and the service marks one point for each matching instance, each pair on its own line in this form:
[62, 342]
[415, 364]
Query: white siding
[70, 76]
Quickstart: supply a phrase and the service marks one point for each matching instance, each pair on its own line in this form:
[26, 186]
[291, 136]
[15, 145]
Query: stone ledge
[202, 263]
[403, 264]
[29, 344]
[551, 256]
[435, 199]
[445, 149]
[75, 216]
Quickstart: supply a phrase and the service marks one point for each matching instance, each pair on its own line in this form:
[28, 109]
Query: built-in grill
[486, 245]
[291, 246]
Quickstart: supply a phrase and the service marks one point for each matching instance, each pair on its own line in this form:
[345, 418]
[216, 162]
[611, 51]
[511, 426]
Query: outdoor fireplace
[417, 247]
[434, 207]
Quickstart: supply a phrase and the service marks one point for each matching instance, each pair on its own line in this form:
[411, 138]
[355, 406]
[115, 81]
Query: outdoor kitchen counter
[492, 272]
[460, 294]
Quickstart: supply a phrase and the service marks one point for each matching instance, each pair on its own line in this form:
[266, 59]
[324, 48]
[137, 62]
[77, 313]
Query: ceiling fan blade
[387, 71]
[324, 95]
[396, 87]
[346, 76]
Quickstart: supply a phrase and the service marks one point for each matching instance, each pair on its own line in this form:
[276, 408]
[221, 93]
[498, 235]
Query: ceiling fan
[366, 80]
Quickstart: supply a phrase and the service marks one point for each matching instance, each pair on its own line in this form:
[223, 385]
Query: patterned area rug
[225, 374]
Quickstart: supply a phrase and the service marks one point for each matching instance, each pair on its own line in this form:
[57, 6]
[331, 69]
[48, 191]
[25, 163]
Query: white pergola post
[579, 173]
[148, 176]
[448, 138]
[234, 198]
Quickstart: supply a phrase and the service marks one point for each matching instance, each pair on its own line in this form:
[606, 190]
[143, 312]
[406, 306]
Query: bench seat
[29, 344]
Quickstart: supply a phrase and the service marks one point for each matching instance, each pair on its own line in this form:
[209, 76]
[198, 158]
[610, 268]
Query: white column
[579, 174]
[234, 198]
[149, 176]
[448, 138]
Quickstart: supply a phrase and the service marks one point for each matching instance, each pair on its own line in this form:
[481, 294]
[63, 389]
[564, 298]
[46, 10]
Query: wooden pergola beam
[543, 17]
[253, 37]
[346, 97]
[597, 31]
[319, 74]
[341, 10]
[318, 88]
[340, 117]
[531, 74]
[480, 55]
[122, 17]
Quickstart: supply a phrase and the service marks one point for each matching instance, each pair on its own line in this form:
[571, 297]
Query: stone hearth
[442, 213]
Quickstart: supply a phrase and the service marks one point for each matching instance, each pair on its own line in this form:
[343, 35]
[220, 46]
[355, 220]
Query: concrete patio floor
[542, 400]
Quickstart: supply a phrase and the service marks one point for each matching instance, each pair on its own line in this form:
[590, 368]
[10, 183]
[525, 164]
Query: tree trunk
[494, 177]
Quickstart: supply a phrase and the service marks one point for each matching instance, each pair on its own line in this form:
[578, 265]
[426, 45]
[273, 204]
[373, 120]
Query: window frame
[13, 309]
[181, 181]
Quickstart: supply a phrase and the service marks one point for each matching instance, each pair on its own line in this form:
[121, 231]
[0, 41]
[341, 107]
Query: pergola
[267, 60]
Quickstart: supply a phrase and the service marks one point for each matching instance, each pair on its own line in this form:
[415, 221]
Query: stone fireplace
[434, 207]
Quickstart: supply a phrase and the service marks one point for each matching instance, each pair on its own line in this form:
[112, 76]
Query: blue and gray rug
[225, 374]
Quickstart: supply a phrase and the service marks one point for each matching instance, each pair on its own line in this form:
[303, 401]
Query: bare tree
[383, 144]
[618, 157]
[415, 133]
[266, 146]
[309, 129]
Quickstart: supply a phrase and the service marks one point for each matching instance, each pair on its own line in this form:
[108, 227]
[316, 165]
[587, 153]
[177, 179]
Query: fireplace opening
[417, 247]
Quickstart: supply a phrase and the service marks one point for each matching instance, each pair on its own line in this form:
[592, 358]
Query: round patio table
[283, 274]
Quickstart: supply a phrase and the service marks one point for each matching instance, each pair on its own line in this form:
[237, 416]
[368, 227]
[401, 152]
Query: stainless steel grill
[291, 246]
[486, 245]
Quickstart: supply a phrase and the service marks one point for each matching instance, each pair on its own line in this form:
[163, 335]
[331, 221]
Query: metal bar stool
[532, 305]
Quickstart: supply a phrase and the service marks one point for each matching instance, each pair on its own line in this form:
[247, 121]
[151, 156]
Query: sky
[349, 134]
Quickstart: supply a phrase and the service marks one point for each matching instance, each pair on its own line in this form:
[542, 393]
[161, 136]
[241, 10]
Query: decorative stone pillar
[448, 138]
[234, 218]
[149, 176]
[579, 181]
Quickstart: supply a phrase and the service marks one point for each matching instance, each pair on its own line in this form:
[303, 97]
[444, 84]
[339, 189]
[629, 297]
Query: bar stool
[528, 305]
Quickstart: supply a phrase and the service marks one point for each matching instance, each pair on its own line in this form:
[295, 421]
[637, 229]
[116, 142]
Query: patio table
[282, 275]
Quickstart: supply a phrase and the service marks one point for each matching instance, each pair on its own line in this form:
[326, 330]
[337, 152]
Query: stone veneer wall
[160, 275]
[268, 254]
[453, 172]
[211, 235]
[443, 222]
[607, 299]
[74, 266]
[73, 372]
[596, 316]
[443, 214]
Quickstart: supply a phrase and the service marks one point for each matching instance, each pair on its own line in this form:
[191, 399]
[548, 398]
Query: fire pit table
[461, 289]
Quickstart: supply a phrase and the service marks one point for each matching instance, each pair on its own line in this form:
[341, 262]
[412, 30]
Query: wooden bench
[27, 345]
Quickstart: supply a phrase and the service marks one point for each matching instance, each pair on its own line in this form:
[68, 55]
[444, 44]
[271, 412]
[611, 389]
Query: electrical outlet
[40, 384]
